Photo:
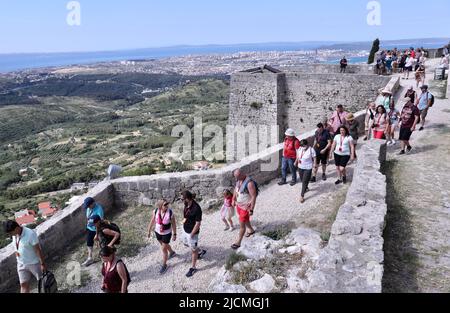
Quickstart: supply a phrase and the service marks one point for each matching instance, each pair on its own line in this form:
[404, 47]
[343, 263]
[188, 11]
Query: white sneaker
[394, 142]
[88, 262]
[231, 229]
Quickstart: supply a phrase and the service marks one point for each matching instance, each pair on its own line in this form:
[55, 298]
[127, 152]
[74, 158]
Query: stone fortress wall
[67, 225]
[300, 97]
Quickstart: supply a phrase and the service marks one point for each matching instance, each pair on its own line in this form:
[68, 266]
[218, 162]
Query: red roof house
[45, 205]
[26, 219]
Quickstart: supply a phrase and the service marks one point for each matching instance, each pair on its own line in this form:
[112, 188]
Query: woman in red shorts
[380, 125]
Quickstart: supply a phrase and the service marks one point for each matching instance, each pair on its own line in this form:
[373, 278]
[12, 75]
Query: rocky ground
[278, 209]
[417, 248]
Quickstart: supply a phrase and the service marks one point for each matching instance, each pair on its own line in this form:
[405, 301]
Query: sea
[22, 61]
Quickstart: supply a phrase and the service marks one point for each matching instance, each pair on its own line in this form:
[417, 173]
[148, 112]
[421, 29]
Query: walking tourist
[116, 277]
[291, 145]
[394, 120]
[108, 234]
[353, 128]
[411, 93]
[409, 118]
[424, 102]
[92, 208]
[227, 210]
[338, 119]
[344, 152]
[191, 226]
[386, 99]
[305, 162]
[244, 200]
[420, 75]
[369, 121]
[164, 224]
[322, 145]
[409, 66]
[29, 256]
[381, 123]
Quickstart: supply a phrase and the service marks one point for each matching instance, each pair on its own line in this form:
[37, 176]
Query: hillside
[68, 139]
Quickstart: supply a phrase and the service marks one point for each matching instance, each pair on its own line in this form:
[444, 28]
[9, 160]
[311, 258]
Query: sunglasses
[166, 204]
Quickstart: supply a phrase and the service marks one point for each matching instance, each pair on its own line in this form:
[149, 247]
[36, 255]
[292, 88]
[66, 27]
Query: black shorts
[405, 134]
[164, 238]
[322, 158]
[409, 68]
[341, 160]
[90, 238]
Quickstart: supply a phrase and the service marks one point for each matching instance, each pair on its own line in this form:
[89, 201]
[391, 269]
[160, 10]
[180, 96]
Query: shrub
[233, 259]
[278, 233]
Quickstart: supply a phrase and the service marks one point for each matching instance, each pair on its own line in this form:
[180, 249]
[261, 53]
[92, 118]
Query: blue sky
[40, 25]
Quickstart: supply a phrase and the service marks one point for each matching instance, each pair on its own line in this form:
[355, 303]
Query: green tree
[375, 49]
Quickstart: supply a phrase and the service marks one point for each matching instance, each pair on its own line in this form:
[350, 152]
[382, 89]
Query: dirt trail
[275, 206]
[418, 227]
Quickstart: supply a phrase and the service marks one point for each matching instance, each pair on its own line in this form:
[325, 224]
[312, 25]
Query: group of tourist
[336, 138]
[390, 61]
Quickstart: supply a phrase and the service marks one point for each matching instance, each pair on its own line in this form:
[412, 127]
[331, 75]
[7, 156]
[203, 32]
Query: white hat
[386, 90]
[290, 132]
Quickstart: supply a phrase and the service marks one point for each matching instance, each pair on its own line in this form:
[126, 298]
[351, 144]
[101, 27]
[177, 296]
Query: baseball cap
[87, 202]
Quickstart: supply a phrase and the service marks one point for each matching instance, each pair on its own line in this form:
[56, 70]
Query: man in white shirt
[30, 259]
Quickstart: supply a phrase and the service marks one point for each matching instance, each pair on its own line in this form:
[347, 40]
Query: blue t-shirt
[97, 210]
[423, 101]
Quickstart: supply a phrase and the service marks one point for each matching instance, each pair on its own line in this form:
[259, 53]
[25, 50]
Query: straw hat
[386, 90]
[350, 117]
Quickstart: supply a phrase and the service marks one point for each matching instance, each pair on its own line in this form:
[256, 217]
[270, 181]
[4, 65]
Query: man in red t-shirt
[409, 119]
[291, 145]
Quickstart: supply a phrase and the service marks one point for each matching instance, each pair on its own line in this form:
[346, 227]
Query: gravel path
[275, 205]
[418, 228]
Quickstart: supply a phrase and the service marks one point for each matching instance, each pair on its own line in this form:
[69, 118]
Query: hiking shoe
[172, 255]
[191, 272]
[293, 183]
[88, 262]
[338, 182]
[421, 128]
[313, 180]
[282, 183]
[409, 149]
[324, 177]
[402, 152]
[163, 269]
[201, 254]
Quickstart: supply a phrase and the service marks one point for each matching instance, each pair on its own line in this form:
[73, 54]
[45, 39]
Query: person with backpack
[108, 234]
[165, 228]
[244, 200]
[116, 277]
[370, 118]
[191, 226]
[92, 208]
[29, 256]
[411, 93]
[322, 145]
[424, 102]
[306, 158]
[291, 145]
[409, 118]
[338, 119]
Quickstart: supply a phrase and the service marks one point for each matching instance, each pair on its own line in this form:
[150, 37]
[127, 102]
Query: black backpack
[431, 100]
[126, 270]
[47, 284]
[113, 227]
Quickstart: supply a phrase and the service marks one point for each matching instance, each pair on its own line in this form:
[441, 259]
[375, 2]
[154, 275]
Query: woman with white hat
[386, 99]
